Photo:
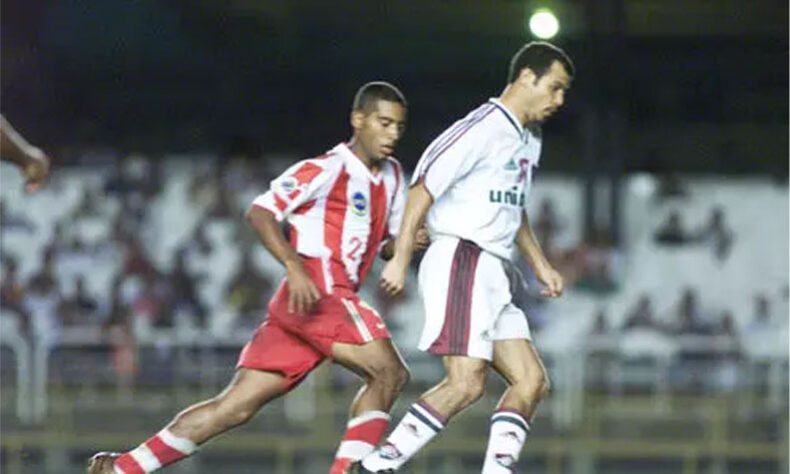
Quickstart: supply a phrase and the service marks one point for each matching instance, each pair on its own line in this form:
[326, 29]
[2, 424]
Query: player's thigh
[371, 359]
[277, 350]
[252, 388]
[517, 361]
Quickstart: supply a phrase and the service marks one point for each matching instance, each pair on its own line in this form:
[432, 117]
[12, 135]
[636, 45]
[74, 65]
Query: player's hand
[393, 276]
[422, 240]
[36, 170]
[552, 279]
[302, 292]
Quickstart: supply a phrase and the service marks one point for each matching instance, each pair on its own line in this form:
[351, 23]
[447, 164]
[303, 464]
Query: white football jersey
[479, 172]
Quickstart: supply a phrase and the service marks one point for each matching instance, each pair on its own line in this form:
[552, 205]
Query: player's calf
[387, 380]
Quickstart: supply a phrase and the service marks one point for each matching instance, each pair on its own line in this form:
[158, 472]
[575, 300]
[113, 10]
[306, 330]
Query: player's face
[546, 95]
[379, 130]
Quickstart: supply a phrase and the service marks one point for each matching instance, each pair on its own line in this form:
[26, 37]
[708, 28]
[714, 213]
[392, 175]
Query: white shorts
[467, 296]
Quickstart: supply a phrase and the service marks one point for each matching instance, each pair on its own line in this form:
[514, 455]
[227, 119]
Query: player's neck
[511, 101]
[355, 147]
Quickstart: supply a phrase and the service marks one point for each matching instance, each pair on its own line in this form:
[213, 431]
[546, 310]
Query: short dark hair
[538, 56]
[372, 92]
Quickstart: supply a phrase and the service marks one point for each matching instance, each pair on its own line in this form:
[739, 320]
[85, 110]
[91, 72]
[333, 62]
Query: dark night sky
[274, 76]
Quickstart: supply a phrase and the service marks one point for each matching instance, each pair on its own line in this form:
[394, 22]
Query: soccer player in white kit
[471, 183]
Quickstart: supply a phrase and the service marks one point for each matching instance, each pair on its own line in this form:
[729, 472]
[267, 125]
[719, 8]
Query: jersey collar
[356, 165]
[508, 115]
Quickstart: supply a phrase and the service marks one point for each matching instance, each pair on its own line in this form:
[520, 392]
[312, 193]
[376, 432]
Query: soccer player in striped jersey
[342, 209]
[471, 186]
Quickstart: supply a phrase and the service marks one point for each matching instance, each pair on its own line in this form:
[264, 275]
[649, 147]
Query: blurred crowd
[186, 291]
[145, 293]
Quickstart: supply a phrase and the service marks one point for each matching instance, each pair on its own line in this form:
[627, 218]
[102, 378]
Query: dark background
[661, 85]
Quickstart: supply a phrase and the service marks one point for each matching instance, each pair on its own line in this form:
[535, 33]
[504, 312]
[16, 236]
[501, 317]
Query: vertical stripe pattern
[454, 337]
[358, 321]
[378, 226]
[336, 208]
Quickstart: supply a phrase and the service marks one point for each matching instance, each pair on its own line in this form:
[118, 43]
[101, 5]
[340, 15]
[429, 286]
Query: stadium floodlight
[544, 24]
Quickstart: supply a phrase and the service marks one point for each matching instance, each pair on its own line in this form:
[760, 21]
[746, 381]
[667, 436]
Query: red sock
[362, 435]
[162, 449]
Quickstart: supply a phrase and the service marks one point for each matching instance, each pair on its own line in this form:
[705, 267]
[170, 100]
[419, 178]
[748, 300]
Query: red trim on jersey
[306, 173]
[335, 216]
[281, 205]
[294, 194]
[397, 182]
[315, 268]
[304, 207]
[378, 225]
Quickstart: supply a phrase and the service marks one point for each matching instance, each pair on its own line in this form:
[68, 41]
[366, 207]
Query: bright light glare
[544, 24]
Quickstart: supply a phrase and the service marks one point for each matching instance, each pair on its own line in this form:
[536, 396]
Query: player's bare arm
[421, 242]
[529, 247]
[30, 159]
[302, 292]
[393, 276]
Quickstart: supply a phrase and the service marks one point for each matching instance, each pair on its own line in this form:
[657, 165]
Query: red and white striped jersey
[339, 213]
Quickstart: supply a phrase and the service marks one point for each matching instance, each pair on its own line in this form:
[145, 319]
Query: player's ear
[357, 119]
[527, 77]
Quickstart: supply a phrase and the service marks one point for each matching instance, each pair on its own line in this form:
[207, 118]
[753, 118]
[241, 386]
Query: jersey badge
[288, 184]
[511, 165]
[359, 204]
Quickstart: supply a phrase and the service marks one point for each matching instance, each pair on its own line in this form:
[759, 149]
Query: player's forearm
[13, 147]
[417, 204]
[528, 244]
[271, 235]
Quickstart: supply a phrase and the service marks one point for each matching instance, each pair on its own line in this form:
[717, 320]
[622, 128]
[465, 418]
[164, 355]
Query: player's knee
[393, 376]
[403, 376]
[545, 386]
[534, 387]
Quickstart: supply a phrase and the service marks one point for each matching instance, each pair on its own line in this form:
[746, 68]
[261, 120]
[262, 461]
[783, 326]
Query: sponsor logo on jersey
[359, 204]
[389, 451]
[511, 197]
[288, 184]
[511, 165]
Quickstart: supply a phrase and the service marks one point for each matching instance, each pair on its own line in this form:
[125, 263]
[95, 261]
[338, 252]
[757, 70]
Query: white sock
[509, 430]
[413, 432]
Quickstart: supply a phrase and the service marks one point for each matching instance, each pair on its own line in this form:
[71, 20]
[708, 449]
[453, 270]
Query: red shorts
[294, 344]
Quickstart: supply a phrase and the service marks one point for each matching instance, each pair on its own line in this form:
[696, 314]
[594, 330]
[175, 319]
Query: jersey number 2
[356, 244]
